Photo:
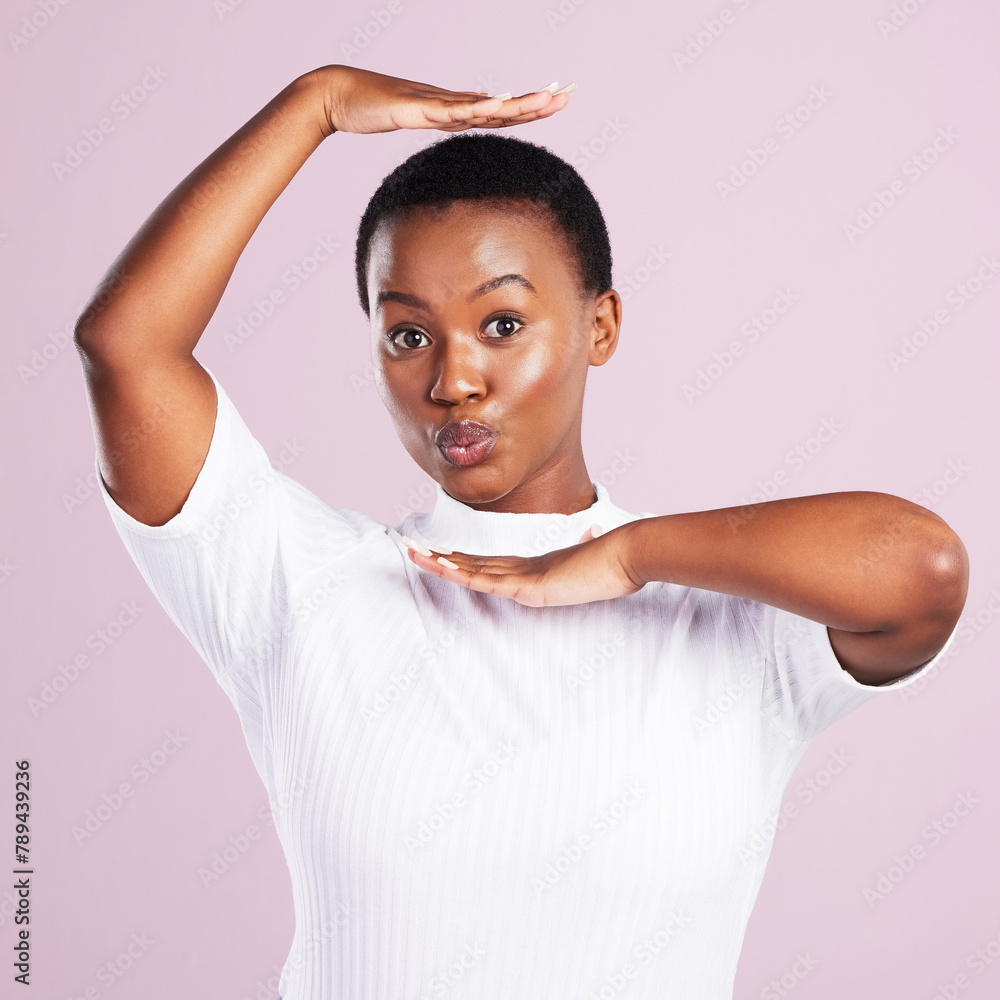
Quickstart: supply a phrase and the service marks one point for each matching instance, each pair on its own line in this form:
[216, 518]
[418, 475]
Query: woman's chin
[475, 484]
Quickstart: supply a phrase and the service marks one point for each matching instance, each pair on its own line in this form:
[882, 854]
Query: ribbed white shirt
[479, 799]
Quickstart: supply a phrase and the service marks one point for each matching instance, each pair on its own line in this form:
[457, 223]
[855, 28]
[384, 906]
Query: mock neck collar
[455, 525]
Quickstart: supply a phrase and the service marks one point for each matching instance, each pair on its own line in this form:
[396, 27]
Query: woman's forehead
[465, 240]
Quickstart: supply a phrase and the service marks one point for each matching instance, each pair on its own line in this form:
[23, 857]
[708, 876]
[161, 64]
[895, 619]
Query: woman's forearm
[158, 296]
[857, 561]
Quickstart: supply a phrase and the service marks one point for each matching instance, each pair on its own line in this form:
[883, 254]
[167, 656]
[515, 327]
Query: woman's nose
[459, 375]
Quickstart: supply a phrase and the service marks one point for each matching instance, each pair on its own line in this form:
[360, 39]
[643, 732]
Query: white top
[507, 802]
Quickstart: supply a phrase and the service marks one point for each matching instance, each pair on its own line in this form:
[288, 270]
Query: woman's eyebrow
[495, 283]
[406, 299]
[387, 295]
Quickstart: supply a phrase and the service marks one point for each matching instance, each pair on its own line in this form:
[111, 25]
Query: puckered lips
[465, 442]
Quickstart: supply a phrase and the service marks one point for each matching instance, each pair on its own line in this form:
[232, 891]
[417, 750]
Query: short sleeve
[805, 688]
[220, 566]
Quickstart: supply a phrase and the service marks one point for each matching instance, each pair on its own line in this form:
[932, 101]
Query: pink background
[654, 139]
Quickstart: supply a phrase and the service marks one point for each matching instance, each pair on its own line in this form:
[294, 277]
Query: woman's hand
[595, 569]
[359, 100]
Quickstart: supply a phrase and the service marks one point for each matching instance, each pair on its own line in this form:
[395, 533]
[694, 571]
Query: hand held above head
[147, 315]
[362, 101]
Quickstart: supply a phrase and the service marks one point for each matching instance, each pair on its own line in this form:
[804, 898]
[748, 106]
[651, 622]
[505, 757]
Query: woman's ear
[607, 321]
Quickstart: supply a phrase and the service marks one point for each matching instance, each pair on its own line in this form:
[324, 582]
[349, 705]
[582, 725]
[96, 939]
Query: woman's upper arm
[153, 424]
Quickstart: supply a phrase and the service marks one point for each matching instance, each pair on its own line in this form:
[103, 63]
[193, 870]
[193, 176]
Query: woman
[528, 744]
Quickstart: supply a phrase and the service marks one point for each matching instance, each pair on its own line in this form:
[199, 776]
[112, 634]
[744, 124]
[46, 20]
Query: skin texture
[152, 405]
[523, 375]
[889, 578]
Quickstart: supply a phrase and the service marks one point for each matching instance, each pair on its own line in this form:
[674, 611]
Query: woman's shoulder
[317, 516]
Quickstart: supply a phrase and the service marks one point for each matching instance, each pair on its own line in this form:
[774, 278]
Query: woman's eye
[505, 326]
[407, 337]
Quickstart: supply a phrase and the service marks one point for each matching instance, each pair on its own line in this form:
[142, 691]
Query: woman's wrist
[319, 88]
[634, 541]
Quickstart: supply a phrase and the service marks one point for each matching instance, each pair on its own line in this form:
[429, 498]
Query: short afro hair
[481, 166]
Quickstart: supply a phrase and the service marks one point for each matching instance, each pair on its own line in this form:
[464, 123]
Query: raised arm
[152, 405]
[888, 577]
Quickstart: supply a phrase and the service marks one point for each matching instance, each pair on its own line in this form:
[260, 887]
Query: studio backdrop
[802, 202]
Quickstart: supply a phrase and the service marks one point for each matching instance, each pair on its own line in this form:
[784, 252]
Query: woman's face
[477, 315]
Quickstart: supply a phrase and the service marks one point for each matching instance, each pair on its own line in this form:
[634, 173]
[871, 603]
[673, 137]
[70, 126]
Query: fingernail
[447, 562]
[551, 88]
[441, 549]
[416, 546]
[568, 89]
[596, 529]
[503, 97]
